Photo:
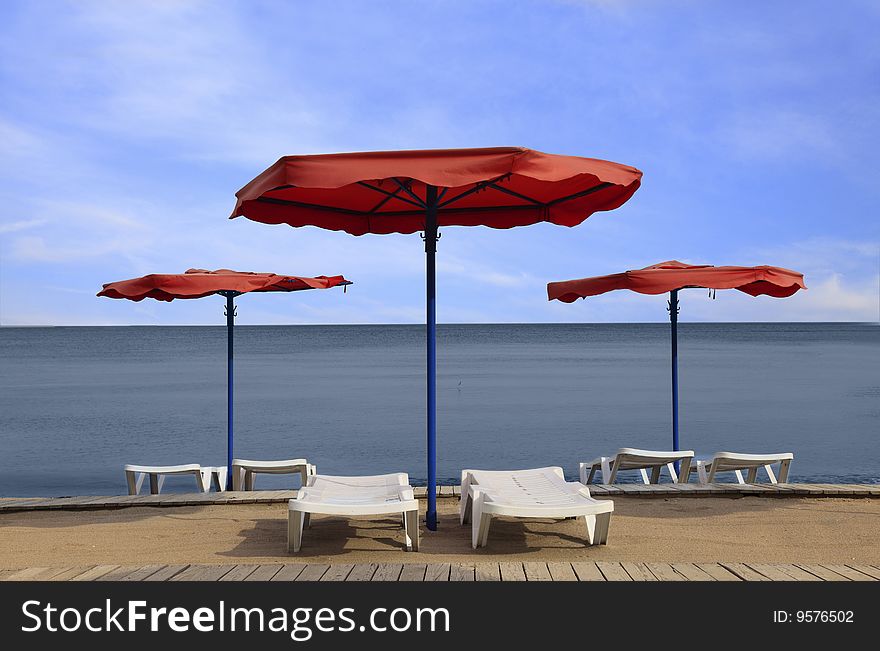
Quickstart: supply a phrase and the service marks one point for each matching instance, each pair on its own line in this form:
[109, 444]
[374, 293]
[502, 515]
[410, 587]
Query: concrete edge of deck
[469, 571]
[98, 502]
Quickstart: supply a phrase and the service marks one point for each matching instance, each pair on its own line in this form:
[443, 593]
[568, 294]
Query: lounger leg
[783, 471]
[155, 486]
[685, 473]
[770, 475]
[480, 530]
[655, 474]
[607, 477]
[465, 508]
[603, 523]
[237, 474]
[307, 520]
[590, 521]
[203, 479]
[739, 477]
[672, 474]
[134, 485]
[304, 476]
[644, 474]
[411, 524]
[294, 531]
[701, 473]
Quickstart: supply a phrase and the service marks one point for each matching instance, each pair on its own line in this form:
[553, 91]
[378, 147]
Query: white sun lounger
[353, 496]
[535, 493]
[735, 462]
[641, 460]
[244, 471]
[135, 475]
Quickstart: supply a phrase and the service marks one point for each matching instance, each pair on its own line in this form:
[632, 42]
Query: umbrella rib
[394, 213]
[477, 187]
[316, 206]
[515, 194]
[388, 196]
[583, 193]
[405, 187]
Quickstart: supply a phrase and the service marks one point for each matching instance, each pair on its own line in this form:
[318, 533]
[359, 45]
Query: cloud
[25, 224]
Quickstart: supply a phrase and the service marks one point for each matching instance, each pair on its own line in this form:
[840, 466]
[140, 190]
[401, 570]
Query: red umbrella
[197, 283]
[409, 191]
[672, 276]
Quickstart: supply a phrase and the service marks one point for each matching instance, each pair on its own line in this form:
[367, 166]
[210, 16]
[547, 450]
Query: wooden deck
[529, 571]
[17, 504]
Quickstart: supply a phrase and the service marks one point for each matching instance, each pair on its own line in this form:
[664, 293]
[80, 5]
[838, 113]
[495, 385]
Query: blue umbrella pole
[673, 319]
[431, 333]
[230, 328]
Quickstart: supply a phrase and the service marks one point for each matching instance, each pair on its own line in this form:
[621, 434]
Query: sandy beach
[663, 530]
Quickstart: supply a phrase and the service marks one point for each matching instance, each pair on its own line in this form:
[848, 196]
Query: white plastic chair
[353, 496]
[534, 493]
[641, 460]
[245, 470]
[736, 462]
[135, 475]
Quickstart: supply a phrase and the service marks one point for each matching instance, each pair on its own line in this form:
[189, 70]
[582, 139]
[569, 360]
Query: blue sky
[126, 129]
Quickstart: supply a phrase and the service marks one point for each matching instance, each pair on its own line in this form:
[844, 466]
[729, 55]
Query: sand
[749, 529]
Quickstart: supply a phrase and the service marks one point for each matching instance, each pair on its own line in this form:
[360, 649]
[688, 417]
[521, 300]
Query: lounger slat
[638, 571]
[613, 571]
[437, 572]
[265, 572]
[203, 573]
[313, 572]
[362, 572]
[461, 572]
[289, 572]
[487, 572]
[718, 572]
[337, 572]
[665, 572]
[848, 572]
[166, 572]
[512, 572]
[239, 573]
[535, 571]
[413, 572]
[561, 572]
[387, 572]
[691, 572]
[744, 572]
[587, 571]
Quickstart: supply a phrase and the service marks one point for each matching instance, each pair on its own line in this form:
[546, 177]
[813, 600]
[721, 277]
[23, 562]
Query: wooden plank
[744, 572]
[461, 572]
[94, 573]
[265, 572]
[487, 572]
[446, 491]
[337, 572]
[823, 573]
[362, 572]
[638, 571]
[387, 572]
[166, 573]
[664, 572]
[848, 572]
[119, 573]
[5, 573]
[535, 571]
[71, 572]
[587, 571]
[613, 571]
[289, 572]
[561, 572]
[313, 572]
[512, 572]
[873, 572]
[718, 572]
[437, 572]
[691, 572]
[26, 574]
[141, 573]
[239, 573]
[796, 573]
[413, 572]
[770, 571]
[203, 573]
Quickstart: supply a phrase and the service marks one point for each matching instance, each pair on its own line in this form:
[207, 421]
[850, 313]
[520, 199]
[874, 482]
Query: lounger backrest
[527, 487]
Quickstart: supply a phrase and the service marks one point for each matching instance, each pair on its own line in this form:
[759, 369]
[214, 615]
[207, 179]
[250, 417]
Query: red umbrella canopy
[667, 276]
[196, 283]
[385, 192]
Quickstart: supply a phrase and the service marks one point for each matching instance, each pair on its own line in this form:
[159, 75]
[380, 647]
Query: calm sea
[78, 403]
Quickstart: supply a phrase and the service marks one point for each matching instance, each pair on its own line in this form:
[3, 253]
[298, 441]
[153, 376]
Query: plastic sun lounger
[535, 493]
[641, 460]
[736, 463]
[353, 496]
[244, 471]
[134, 476]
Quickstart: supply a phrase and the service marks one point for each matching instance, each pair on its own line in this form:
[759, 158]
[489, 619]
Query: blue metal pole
[431, 332]
[230, 327]
[673, 318]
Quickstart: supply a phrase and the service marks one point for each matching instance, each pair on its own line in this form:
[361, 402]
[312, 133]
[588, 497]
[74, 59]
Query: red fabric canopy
[196, 283]
[666, 276]
[498, 187]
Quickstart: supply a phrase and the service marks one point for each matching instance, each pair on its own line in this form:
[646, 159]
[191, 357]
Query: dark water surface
[78, 403]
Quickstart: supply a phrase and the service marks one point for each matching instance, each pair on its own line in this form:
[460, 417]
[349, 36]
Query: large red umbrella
[409, 191]
[672, 276]
[197, 283]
